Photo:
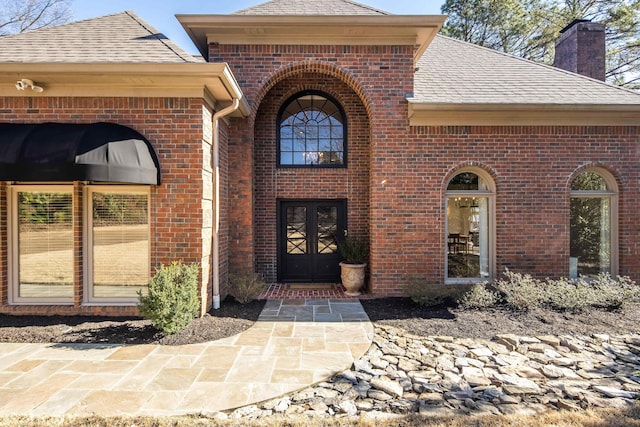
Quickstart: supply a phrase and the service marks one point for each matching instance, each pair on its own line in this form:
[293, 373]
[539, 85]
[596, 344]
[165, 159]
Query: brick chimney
[581, 49]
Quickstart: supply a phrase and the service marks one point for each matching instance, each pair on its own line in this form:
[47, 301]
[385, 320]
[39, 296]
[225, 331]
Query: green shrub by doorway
[172, 301]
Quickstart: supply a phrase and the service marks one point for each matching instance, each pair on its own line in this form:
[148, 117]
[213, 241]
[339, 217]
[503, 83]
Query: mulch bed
[233, 318]
[442, 320]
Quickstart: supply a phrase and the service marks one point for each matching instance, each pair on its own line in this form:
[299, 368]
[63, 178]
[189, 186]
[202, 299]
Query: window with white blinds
[119, 243]
[42, 244]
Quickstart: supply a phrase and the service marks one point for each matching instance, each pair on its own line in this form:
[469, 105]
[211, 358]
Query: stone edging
[510, 374]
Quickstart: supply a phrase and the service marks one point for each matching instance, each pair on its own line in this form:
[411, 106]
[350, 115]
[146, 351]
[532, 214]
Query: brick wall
[174, 126]
[370, 81]
[410, 167]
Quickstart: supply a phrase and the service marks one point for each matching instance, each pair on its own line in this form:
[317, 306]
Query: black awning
[102, 152]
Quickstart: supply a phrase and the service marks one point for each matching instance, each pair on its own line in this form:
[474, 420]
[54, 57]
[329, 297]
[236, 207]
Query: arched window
[470, 224]
[312, 132]
[593, 224]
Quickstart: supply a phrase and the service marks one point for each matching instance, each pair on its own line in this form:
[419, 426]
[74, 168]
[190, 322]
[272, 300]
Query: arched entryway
[311, 183]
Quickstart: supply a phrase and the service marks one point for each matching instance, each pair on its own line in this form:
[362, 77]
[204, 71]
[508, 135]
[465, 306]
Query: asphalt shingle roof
[311, 7]
[121, 37]
[457, 72]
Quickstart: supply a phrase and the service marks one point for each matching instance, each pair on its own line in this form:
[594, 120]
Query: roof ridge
[155, 33]
[539, 64]
[66, 24]
[366, 6]
[350, 2]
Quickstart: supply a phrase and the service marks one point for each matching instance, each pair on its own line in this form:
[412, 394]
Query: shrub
[172, 302]
[246, 287]
[479, 297]
[569, 295]
[611, 293]
[354, 251]
[428, 295]
[520, 292]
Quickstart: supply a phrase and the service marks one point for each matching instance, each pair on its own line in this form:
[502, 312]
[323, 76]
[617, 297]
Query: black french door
[307, 245]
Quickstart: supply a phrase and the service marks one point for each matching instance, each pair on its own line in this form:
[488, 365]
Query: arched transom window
[470, 207]
[593, 224]
[312, 132]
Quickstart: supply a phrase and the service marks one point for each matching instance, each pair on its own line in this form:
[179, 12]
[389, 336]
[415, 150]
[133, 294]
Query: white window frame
[89, 298]
[13, 275]
[610, 193]
[490, 194]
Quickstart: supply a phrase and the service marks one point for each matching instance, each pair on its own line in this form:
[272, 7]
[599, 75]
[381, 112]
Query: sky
[160, 13]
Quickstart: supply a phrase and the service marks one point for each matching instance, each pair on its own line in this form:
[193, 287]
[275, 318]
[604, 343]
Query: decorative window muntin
[470, 207]
[593, 225]
[312, 132]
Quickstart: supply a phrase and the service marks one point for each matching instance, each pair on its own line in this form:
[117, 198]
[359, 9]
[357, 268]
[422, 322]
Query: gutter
[216, 164]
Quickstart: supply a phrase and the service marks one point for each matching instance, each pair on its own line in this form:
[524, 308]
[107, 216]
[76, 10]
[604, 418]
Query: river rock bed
[442, 375]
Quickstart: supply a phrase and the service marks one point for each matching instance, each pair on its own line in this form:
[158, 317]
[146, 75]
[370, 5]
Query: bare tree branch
[18, 16]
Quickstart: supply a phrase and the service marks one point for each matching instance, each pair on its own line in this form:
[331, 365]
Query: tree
[18, 16]
[529, 28]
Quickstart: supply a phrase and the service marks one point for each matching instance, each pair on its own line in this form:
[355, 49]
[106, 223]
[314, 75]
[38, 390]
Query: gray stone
[388, 386]
[406, 384]
[362, 388]
[487, 408]
[602, 337]
[379, 395]
[431, 397]
[246, 412]
[319, 406]
[444, 363]
[281, 405]
[549, 339]
[364, 405]
[615, 392]
[303, 395]
[438, 411]
[326, 393]
[551, 371]
[509, 400]
[348, 407]
[568, 405]
[481, 352]
[379, 363]
[408, 365]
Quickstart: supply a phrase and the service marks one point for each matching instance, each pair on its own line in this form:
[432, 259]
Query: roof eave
[504, 114]
[312, 29]
[213, 81]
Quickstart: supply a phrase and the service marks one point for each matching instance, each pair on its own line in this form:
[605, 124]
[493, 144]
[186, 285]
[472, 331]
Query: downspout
[216, 164]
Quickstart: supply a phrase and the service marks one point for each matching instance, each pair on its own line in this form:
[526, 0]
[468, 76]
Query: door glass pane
[590, 248]
[45, 244]
[327, 228]
[468, 239]
[120, 244]
[296, 230]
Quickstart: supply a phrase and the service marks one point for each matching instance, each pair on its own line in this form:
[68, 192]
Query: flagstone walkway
[294, 344]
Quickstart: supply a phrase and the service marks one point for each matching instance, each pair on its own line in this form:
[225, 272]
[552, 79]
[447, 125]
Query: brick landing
[308, 291]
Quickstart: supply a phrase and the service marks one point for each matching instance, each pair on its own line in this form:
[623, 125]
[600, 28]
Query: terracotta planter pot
[352, 276]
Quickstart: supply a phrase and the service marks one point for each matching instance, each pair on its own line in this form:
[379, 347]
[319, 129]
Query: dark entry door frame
[306, 245]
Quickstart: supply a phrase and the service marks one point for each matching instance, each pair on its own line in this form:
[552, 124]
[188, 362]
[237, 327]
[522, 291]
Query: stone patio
[294, 344]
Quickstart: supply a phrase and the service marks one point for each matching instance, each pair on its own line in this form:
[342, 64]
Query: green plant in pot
[355, 253]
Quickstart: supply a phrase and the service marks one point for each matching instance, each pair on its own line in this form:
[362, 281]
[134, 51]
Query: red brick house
[324, 116]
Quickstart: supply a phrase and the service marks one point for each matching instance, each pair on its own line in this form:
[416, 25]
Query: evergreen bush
[172, 301]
